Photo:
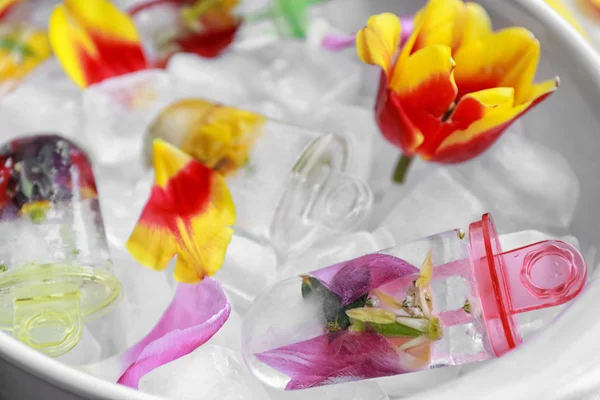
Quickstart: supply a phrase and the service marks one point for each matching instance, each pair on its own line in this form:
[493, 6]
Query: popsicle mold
[54, 256]
[380, 315]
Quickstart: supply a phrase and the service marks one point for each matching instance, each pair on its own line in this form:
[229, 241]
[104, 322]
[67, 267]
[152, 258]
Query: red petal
[164, 207]
[209, 43]
[117, 58]
[393, 121]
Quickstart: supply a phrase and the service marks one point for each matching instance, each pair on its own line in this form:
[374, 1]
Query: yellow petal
[508, 58]
[377, 43]
[375, 315]
[151, 246]
[478, 24]
[221, 198]
[498, 110]
[426, 272]
[386, 299]
[427, 69]
[202, 248]
[443, 23]
[168, 161]
[68, 40]
[102, 16]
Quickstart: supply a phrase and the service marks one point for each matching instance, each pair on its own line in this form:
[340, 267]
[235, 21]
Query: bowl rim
[69, 379]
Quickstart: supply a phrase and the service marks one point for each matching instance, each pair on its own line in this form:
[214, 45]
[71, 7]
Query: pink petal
[196, 313]
[333, 358]
[355, 278]
[338, 42]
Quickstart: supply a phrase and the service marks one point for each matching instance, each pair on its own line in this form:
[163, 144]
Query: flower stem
[401, 168]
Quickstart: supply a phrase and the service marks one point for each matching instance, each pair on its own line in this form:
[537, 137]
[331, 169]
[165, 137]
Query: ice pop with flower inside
[455, 86]
[22, 48]
[203, 27]
[188, 214]
[93, 40]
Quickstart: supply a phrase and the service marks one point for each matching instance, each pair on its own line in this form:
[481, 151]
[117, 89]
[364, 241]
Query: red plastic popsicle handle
[540, 275]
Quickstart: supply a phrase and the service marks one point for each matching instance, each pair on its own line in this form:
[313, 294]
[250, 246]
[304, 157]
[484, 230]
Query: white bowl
[561, 362]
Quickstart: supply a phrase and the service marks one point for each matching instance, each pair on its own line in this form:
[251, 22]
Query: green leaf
[395, 330]
[333, 311]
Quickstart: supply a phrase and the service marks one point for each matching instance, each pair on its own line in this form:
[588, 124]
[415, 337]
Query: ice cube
[301, 77]
[357, 125]
[437, 204]
[367, 390]
[267, 108]
[523, 181]
[387, 193]
[229, 335]
[340, 248]
[401, 386]
[224, 79]
[332, 12]
[122, 201]
[119, 110]
[146, 296]
[208, 373]
[46, 101]
[249, 268]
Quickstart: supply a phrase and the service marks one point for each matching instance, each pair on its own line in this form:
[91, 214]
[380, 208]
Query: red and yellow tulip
[456, 85]
[189, 213]
[94, 40]
[22, 48]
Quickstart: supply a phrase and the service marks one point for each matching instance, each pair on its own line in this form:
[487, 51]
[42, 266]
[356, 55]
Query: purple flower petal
[196, 313]
[338, 42]
[355, 278]
[333, 358]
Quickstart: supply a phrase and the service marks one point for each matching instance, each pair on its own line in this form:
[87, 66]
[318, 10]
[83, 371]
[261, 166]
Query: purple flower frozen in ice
[334, 358]
[355, 278]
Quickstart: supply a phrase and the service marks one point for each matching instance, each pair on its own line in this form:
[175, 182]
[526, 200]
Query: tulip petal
[196, 313]
[394, 122]
[94, 40]
[209, 43]
[219, 137]
[335, 357]
[478, 24]
[427, 71]
[480, 118]
[508, 58]
[355, 278]
[377, 43]
[442, 23]
[188, 214]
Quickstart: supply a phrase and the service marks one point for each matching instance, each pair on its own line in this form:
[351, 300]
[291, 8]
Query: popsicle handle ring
[540, 275]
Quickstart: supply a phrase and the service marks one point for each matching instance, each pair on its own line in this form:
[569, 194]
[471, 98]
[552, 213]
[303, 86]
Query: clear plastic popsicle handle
[342, 203]
[540, 275]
